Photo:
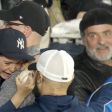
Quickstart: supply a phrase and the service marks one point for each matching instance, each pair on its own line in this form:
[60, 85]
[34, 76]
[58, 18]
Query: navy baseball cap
[13, 44]
[30, 14]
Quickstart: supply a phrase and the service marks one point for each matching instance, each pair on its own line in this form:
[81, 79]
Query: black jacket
[90, 75]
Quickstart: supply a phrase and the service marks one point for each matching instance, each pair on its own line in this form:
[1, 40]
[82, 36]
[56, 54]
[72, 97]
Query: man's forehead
[100, 27]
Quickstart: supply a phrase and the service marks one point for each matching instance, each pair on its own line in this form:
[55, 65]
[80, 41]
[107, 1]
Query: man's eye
[109, 33]
[92, 35]
[7, 63]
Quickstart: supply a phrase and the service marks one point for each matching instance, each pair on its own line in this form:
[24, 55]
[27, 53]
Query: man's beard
[94, 55]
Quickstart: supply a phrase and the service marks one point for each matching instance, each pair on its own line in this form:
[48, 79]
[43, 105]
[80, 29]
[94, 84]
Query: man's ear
[27, 31]
[39, 78]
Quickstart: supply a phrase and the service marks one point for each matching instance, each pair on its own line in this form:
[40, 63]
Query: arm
[23, 90]
[8, 89]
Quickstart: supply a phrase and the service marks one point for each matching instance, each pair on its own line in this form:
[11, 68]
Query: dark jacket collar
[96, 65]
[58, 103]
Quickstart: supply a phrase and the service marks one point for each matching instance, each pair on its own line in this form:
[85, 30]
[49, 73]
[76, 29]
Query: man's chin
[98, 56]
[102, 58]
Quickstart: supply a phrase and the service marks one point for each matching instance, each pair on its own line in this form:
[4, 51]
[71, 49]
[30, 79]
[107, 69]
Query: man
[12, 52]
[95, 63]
[30, 19]
[55, 72]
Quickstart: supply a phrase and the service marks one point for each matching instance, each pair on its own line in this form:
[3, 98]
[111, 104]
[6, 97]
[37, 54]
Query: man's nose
[101, 39]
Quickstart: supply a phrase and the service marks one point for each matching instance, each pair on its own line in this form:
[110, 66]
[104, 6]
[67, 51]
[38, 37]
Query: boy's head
[12, 51]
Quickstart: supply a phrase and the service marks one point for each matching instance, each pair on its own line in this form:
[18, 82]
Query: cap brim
[32, 66]
[18, 56]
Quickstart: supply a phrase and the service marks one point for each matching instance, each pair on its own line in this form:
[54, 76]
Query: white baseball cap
[56, 65]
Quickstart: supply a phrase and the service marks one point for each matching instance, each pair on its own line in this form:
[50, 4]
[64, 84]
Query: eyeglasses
[13, 23]
[105, 34]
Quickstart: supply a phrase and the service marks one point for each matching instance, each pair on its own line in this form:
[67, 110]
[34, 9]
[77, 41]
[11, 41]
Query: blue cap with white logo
[13, 44]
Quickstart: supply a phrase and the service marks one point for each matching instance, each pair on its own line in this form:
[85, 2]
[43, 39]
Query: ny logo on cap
[20, 43]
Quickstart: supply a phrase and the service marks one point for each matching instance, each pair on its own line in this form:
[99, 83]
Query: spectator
[12, 52]
[52, 81]
[95, 61]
